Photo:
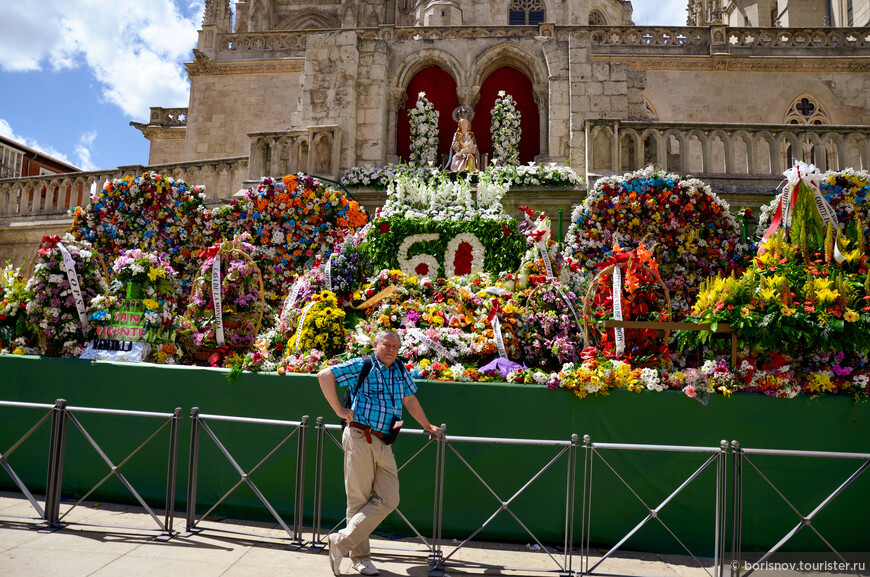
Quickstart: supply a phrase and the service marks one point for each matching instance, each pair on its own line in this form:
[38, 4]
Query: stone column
[580, 76]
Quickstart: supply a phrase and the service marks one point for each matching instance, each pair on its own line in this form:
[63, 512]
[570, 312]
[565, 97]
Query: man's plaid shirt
[380, 396]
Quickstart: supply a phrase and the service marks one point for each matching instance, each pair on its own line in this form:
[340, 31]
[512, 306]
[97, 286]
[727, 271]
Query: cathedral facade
[324, 87]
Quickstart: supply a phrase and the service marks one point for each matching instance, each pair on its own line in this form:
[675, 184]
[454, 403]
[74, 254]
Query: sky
[75, 73]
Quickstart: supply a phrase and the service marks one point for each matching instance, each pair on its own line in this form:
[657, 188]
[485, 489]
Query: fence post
[737, 514]
[299, 492]
[54, 482]
[171, 475]
[436, 558]
[317, 544]
[721, 484]
[569, 504]
[586, 504]
[192, 468]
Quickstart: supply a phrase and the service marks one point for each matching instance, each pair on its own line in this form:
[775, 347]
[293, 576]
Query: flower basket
[239, 325]
[644, 339]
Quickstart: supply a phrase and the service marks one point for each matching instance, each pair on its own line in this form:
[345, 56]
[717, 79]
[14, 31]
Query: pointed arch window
[596, 18]
[806, 110]
[526, 12]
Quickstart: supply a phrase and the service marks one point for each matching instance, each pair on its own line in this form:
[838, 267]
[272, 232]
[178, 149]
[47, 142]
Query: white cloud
[83, 150]
[135, 49]
[660, 12]
[7, 131]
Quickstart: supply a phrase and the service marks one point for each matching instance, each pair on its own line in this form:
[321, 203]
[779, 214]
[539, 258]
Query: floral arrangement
[642, 297]
[445, 248]
[786, 304]
[431, 194]
[378, 178]
[695, 234]
[433, 226]
[151, 212]
[319, 325]
[505, 130]
[60, 324]
[550, 329]
[844, 190]
[543, 258]
[143, 282]
[536, 175]
[241, 299]
[348, 267]
[292, 223]
[13, 302]
[424, 132]
[594, 377]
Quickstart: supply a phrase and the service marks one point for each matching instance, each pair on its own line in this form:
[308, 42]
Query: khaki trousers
[371, 482]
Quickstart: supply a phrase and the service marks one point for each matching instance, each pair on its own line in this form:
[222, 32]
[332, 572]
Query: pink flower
[690, 391]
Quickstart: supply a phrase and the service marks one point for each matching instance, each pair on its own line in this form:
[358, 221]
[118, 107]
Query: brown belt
[368, 431]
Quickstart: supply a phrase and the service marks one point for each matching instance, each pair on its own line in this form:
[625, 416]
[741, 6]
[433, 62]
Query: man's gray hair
[388, 334]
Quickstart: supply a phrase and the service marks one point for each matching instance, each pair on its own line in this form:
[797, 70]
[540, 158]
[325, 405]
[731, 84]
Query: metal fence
[61, 415]
[200, 424]
[447, 456]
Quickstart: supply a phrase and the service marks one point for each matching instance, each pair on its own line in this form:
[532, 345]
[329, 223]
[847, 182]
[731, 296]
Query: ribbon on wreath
[216, 298]
[432, 344]
[327, 273]
[496, 328]
[291, 298]
[302, 323]
[618, 332]
[215, 359]
[809, 176]
[70, 266]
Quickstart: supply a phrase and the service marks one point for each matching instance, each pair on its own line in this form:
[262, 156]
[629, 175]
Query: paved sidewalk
[106, 540]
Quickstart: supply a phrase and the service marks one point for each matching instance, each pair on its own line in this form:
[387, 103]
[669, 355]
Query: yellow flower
[425, 363]
[17, 351]
[156, 272]
[850, 316]
[788, 311]
[726, 392]
[745, 311]
[826, 295]
[150, 304]
[768, 294]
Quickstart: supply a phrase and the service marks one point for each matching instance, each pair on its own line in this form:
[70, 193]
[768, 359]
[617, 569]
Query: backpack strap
[368, 363]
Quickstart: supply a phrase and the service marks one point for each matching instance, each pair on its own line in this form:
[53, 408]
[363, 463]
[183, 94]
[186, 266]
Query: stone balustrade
[743, 152]
[674, 40]
[315, 150]
[55, 194]
[167, 117]
[721, 40]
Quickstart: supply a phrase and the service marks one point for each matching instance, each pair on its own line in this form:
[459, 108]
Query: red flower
[506, 230]
[384, 227]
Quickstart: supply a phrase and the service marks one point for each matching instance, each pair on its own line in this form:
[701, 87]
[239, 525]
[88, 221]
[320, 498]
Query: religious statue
[464, 156]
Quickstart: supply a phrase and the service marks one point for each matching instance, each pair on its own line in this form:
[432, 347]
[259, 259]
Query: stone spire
[218, 14]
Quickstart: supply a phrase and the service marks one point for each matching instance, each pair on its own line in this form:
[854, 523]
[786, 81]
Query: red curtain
[440, 89]
[519, 86]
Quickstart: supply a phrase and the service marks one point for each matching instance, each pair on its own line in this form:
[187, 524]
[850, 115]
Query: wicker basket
[201, 354]
[633, 336]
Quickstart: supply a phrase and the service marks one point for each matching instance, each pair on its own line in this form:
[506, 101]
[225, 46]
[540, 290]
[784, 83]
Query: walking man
[371, 479]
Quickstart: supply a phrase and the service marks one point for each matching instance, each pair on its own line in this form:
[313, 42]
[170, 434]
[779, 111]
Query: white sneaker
[366, 567]
[335, 556]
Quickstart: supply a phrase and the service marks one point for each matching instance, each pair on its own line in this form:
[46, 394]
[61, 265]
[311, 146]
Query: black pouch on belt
[395, 427]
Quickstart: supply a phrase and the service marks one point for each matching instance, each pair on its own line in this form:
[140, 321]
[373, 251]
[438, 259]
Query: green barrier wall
[468, 409]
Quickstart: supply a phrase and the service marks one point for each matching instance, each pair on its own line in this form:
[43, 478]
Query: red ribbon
[617, 259]
[496, 308]
[50, 241]
[219, 355]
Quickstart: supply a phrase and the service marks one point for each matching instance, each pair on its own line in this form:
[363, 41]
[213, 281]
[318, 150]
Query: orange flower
[290, 182]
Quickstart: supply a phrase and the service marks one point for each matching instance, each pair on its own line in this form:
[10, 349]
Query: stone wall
[230, 100]
[329, 95]
[692, 95]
